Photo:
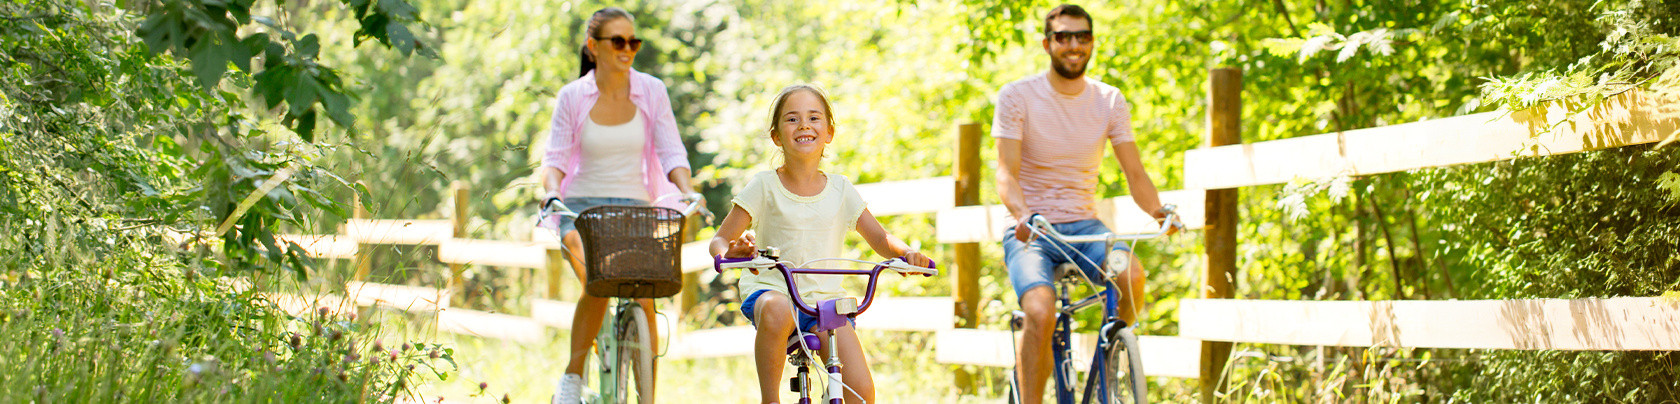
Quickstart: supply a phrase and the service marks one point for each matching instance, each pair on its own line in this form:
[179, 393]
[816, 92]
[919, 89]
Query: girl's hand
[916, 258]
[743, 247]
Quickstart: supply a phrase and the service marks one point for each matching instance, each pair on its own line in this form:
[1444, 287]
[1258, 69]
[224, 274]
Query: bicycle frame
[1061, 349]
[830, 314]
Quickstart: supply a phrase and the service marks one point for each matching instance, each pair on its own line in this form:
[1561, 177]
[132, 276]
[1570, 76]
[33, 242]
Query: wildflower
[505, 399]
[393, 355]
[379, 345]
[405, 347]
[483, 385]
[434, 354]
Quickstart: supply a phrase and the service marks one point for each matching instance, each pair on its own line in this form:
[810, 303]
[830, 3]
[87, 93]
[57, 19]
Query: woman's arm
[681, 177]
[885, 244]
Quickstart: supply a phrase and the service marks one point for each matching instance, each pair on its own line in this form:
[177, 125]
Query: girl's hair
[601, 17]
[776, 108]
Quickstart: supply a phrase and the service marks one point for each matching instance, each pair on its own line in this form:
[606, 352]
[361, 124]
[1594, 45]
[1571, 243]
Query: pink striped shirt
[662, 152]
[1062, 140]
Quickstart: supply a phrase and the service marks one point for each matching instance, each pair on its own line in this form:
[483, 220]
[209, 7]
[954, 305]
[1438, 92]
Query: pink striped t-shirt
[1062, 139]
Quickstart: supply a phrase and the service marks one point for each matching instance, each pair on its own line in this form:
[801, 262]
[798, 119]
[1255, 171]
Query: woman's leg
[854, 367]
[586, 322]
[653, 339]
[773, 316]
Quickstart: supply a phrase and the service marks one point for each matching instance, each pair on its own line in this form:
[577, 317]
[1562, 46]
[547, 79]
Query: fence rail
[1207, 325]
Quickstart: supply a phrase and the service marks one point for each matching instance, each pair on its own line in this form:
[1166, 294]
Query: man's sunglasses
[634, 44]
[1064, 37]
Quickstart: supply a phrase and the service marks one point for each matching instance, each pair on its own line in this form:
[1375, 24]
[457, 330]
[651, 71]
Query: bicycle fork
[801, 382]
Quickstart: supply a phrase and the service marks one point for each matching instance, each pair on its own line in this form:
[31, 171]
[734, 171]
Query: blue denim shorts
[1033, 265]
[579, 203]
[807, 322]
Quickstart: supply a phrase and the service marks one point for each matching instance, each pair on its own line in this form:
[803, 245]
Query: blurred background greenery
[111, 143]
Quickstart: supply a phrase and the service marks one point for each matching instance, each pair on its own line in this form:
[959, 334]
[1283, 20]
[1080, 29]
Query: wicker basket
[632, 251]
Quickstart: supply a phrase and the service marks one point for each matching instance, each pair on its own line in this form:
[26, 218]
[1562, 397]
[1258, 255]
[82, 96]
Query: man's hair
[1067, 10]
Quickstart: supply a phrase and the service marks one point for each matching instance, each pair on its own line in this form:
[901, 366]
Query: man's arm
[1137, 180]
[1009, 185]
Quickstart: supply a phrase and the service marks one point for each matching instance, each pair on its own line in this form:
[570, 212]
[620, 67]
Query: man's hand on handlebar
[1023, 228]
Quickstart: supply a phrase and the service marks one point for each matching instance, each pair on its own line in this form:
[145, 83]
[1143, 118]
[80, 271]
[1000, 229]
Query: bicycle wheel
[634, 357]
[1125, 371]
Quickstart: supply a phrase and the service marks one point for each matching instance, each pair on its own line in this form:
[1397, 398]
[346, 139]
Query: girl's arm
[885, 244]
[729, 241]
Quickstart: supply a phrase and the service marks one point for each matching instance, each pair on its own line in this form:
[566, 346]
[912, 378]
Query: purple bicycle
[830, 314]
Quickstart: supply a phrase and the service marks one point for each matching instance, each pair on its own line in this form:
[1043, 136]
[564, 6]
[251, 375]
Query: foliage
[139, 210]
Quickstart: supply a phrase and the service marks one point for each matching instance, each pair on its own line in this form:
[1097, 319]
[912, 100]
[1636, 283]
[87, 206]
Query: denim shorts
[579, 203]
[1033, 265]
[807, 322]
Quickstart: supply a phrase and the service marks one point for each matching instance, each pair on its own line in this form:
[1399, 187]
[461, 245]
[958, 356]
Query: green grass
[126, 325]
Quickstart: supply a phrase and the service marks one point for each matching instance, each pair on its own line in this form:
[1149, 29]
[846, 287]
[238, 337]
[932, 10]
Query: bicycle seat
[811, 340]
[1067, 271]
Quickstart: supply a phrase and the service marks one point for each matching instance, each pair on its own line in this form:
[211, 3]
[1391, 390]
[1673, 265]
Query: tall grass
[118, 318]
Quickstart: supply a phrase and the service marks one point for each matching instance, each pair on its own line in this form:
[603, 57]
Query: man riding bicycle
[1050, 128]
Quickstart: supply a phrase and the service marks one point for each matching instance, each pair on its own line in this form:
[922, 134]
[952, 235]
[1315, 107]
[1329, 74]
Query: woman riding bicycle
[612, 141]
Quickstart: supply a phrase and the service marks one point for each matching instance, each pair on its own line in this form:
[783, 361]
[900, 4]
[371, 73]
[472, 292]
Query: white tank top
[611, 163]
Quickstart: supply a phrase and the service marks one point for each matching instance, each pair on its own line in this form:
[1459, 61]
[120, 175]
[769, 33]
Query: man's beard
[1068, 72]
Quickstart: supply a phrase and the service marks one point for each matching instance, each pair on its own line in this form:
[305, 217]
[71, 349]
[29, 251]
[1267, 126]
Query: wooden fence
[1208, 325]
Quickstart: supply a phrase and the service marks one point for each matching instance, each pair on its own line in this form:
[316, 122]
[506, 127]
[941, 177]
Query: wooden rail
[1613, 324]
[1162, 356]
[1624, 120]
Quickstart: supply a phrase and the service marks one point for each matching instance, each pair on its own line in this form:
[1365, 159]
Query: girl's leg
[773, 316]
[586, 322]
[854, 367]
[653, 339]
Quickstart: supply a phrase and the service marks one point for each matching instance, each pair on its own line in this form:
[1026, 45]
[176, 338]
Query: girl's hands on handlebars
[917, 258]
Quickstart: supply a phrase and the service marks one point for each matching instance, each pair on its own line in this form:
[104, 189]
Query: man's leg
[1029, 272]
[1032, 359]
[1131, 280]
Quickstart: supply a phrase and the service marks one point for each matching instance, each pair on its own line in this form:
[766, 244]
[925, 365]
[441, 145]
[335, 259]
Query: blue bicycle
[1116, 371]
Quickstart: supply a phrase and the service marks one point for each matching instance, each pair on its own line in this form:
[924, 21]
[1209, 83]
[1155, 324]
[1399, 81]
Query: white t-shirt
[803, 227]
[611, 163]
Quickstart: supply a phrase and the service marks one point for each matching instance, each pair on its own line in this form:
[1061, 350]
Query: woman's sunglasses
[620, 43]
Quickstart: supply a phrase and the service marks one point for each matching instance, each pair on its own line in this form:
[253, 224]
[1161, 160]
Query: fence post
[556, 269]
[458, 229]
[364, 251]
[1218, 280]
[968, 254]
[691, 279]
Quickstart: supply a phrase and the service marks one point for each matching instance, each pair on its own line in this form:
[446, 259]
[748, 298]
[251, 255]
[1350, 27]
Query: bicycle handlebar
[696, 203]
[766, 260]
[1170, 222]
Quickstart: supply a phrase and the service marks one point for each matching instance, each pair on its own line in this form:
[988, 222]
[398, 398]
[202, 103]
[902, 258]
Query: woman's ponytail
[586, 61]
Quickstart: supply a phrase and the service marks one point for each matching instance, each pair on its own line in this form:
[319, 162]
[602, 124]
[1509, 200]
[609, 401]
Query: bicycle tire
[1125, 371]
[635, 354]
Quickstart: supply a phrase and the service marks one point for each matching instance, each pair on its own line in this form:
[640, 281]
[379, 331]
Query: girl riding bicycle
[806, 213]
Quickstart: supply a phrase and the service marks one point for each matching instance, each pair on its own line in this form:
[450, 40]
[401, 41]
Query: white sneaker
[570, 390]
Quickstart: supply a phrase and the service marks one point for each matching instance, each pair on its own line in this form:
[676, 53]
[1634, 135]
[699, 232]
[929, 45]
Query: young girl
[805, 213]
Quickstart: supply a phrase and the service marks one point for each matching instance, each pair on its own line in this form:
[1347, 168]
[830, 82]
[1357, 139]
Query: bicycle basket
[631, 251]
